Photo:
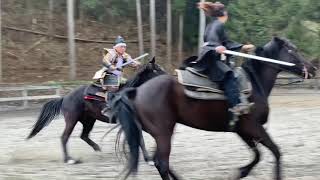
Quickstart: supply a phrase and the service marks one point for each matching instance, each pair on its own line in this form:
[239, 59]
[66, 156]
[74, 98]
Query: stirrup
[106, 111]
[242, 108]
[233, 122]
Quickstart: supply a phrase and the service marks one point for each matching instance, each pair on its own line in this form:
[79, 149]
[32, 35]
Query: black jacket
[209, 61]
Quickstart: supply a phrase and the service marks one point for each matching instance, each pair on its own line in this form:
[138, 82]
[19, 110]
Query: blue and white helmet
[119, 42]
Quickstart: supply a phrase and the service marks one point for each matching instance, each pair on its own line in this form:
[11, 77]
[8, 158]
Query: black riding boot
[107, 110]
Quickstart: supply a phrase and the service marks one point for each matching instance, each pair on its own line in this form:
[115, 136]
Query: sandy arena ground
[293, 124]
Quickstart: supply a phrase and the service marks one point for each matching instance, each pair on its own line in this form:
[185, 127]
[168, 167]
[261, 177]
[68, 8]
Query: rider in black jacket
[211, 63]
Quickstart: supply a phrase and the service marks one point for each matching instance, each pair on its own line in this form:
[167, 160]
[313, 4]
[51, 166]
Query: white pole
[202, 25]
[72, 52]
[250, 56]
[153, 27]
[140, 29]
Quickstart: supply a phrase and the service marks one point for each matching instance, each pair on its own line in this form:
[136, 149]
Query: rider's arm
[106, 61]
[233, 45]
[215, 36]
[229, 44]
[127, 57]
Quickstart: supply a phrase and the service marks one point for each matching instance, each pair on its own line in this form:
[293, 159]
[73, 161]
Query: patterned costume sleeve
[106, 61]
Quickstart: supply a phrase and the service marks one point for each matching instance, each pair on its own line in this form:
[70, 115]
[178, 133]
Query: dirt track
[294, 125]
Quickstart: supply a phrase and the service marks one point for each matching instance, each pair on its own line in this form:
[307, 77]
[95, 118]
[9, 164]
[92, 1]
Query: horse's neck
[263, 77]
[268, 77]
[137, 80]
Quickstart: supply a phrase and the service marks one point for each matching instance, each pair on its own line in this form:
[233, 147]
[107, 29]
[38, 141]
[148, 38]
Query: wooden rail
[24, 94]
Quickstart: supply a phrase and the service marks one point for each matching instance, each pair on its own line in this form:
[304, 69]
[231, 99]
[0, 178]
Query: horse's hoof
[150, 163]
[97, 148]
[72, 161]
[235, 175]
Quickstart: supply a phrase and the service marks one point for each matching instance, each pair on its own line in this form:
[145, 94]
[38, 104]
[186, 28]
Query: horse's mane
[252, 68]
[133, 81]
[187, 62]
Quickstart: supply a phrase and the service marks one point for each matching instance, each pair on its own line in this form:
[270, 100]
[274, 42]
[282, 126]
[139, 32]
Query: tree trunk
[202, 26]
[50, 29]
[140, 27]
[180, 41]
[77, 9]
[169, 35]
[153, 27]
[29, 8]
[72, 53]
[1, 78]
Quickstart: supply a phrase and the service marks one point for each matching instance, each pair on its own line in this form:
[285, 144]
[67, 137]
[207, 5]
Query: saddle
[94, 92]
[199, 86]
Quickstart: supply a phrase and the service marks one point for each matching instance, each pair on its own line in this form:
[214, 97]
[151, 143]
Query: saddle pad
[198, 86]
[199, 82]
[204, 95]
[187, 78]
[92, 90]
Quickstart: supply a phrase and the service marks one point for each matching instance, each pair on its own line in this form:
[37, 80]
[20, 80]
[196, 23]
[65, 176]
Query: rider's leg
[231, 89]
[232, 92]
[102, 84]
[109, 95]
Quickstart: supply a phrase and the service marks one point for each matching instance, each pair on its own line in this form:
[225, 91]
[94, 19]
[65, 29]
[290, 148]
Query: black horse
[157, 105]
[77, 106]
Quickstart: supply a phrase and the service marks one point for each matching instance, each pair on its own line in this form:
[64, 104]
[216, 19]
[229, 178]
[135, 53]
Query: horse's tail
[48, 112]
[125, 112]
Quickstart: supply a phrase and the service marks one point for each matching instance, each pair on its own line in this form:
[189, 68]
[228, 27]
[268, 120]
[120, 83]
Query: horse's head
[284, 50]
[150, 70]
[145, 73]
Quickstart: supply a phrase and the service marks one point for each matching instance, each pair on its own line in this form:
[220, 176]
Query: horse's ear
[259, 50]
[278, 40]
[153, 60]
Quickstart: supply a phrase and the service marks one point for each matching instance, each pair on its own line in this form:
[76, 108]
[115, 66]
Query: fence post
[153, 27]
[24, 95]
[202, 26]
[1, 70]
[58, 91]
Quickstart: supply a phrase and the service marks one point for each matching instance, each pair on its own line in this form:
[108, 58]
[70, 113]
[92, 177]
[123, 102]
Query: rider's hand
[136, 64]
[119, 69]
[220, 49]
[112, 67]
[248, 47]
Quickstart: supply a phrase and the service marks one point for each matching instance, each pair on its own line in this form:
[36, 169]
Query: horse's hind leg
[145, 152]
[70, 124]
[245, 170]
[87, 127]
[161, 158]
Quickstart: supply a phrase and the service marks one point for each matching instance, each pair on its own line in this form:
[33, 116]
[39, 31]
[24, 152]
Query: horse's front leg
[88, 124]
[267, 142]
[245, 170]
[70, 124]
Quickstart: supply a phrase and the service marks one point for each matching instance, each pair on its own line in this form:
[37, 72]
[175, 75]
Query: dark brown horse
[78, 107]
[160, 103]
